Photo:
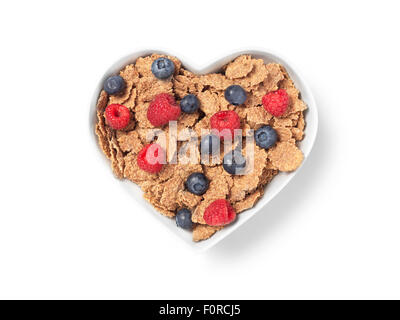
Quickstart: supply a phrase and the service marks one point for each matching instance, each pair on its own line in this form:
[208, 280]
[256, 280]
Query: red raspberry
[151, 158]
[163, 109]
[225, 122]
[276, 102]
[117, 116]
[219, 213]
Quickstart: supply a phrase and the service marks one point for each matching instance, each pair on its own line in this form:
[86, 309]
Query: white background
[68, 231]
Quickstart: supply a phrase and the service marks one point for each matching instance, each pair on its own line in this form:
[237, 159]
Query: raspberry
[163, 109]
[225, 122]
[219, 213]
[151, 158]
[117, 116]
[276, 102]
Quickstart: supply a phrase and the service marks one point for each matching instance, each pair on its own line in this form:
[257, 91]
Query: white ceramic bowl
[277, 184]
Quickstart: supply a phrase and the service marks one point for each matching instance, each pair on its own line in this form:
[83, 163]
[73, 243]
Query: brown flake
[117, 158]
[167, 172]
[256, 76]
[103, 141]
[184, 85]
[285, 156]
[248, 202]
[170, 193]
[187, 200]
[216, 81]
[141, 115]
[257, 116]
[203, 124]
[187, 120]
[297, 133]
[282, 122]
[100, 128]
[129, 141]
[239, 68]
[149, 87]
[131, 102]
[102, 101]
[301, 123]
[203, 232]
[209, 102]
[274, 76]
[284, 134]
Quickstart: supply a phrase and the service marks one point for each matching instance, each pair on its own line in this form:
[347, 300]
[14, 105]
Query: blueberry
[235, 95]
[234, 162]
[209, 145]
[266, 137]
[162, 68]
[114, 85]
[197, 183]
[183, 219]
[190, 103]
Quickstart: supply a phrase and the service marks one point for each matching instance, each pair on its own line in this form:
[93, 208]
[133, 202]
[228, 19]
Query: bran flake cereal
[166, 189]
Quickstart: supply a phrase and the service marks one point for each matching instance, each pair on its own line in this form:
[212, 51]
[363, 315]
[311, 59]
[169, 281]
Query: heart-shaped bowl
[273, 188]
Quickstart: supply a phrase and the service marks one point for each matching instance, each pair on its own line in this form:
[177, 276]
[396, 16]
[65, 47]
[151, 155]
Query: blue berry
[209, 145]
[114, 85]
[266, 137]
[235, 95]
[197, 183]
[183, 219]
[234, 162]
[189, 103]
[162, 68]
